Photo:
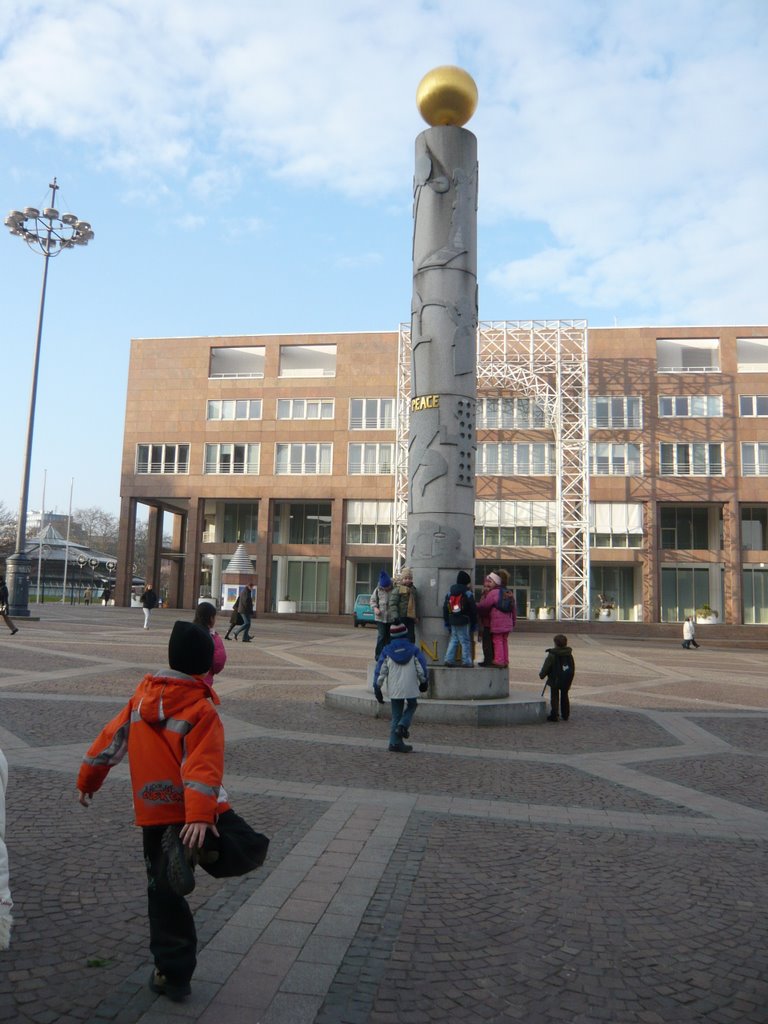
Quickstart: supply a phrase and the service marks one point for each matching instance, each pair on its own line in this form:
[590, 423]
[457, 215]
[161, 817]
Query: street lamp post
[48, 233]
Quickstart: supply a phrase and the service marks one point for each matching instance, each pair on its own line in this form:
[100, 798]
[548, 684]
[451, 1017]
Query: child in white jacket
[402, 671]
[6, 903]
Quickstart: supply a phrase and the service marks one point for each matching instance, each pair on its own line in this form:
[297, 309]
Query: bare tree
[96, 528]
[8, 523]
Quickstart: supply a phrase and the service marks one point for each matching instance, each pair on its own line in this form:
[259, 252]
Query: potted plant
[606, 609]
[706, 615]
[545, 611]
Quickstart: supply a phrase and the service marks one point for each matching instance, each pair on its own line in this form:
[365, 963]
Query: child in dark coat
[559, 668]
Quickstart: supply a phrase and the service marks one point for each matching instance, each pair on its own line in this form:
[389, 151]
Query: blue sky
[247, 168]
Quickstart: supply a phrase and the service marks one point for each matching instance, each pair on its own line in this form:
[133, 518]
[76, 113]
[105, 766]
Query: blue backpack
[506, 601]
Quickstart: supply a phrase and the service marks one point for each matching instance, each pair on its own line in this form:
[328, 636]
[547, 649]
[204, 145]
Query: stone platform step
[518, 708]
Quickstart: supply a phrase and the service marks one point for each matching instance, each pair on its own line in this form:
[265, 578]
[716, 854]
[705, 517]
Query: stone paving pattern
[611, 868]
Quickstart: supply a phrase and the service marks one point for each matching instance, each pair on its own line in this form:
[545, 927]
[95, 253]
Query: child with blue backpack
[497, 608]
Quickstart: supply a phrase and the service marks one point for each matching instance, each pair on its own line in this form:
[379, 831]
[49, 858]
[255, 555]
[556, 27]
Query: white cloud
[633, 130]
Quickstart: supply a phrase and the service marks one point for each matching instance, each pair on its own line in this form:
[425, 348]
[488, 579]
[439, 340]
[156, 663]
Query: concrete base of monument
[517, 708]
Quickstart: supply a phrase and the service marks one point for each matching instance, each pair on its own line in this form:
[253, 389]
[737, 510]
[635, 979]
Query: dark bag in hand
[239, 848]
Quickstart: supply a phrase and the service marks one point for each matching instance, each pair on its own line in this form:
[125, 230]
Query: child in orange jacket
[174, 739]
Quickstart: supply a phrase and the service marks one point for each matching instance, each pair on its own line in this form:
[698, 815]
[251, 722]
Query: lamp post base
[17, 572]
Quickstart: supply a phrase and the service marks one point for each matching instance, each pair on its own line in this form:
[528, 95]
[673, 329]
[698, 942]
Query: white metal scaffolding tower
[545, 359]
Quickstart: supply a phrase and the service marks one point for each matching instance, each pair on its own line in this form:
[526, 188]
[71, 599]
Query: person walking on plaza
[402, 672]
[6, 903]
[245, 608]
[205, 617]
[4, 598]
[689, 634]
[88, 595]
[174, 739]
[235, 619]
[148, 602]
[460, 618]
[405, 598]
[559, 669]
[383, 611]
[497, 607]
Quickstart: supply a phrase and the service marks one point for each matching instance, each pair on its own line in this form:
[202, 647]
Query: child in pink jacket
[501, 622]
[205, 616]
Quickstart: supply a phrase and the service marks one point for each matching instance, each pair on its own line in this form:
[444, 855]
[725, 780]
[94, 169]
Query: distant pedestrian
[106, 596]
[148, 601]
[245, 608]
[174, 739]
[6, 903]
[4, 598]
[460, 618]
[384, 610]
[88, 595]
[689, 634]
[205, 617]
[401, 671]
[497, 608]
[235, 619]
[559, 669]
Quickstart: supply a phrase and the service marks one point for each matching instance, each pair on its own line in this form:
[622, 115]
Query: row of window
[673, 355]
[610, 412]
[505, 459]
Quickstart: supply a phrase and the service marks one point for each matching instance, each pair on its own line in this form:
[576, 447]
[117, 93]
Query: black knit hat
[190, 649]
[464, 578]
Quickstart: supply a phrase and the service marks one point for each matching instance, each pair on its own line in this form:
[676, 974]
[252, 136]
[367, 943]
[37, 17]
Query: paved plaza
[611, 868]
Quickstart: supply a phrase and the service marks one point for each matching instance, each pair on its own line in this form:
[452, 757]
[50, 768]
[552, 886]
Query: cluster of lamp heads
[48, 230]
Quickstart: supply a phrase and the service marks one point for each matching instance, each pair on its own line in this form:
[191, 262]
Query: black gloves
[378, 694]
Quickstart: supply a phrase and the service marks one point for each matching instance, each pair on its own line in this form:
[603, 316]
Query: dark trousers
[172, 935]
[382, 637]
[487, 642]
[561, 705]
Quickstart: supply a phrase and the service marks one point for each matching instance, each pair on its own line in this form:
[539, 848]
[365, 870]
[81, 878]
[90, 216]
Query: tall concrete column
[442, 445]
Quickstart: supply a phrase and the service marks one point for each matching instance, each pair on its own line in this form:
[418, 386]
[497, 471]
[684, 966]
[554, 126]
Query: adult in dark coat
[245, 608]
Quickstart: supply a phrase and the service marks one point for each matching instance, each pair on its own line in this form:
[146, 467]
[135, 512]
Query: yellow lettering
[431, 652]
[425, 402]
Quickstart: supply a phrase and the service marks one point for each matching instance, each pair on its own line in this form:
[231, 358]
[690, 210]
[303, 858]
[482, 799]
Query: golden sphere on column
[446, 95]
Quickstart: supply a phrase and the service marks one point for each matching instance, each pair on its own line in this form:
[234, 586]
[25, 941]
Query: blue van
[362, 611]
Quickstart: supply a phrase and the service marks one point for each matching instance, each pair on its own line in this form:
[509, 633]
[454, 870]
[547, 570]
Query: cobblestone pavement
[611, 868]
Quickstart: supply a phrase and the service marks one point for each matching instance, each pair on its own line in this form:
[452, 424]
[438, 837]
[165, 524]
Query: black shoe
[178, 870]
[551, 718]
[400, 748]
[14, 632]
[247, 640]
[402, 732]
[176, 993]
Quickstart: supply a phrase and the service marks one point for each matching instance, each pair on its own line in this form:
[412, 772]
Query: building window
[370, 522]
[691, 405]
[752, 355]
[234, 409]
[514, 536]
[508, 459]
[684, 527]
[307, 360]
[754, 459]
[241, 522]
[511, 413]
[617, 413]
[615, 524]
[303, 459]
[753, 405]
[697, 459]
[244, 361]
[688, 355]
[370, 459]
[309, 522]
[371, 413]
[607, 459]
[232, 458]
[162, 458]
[754, 527]
[305, 409]
[683, 590]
